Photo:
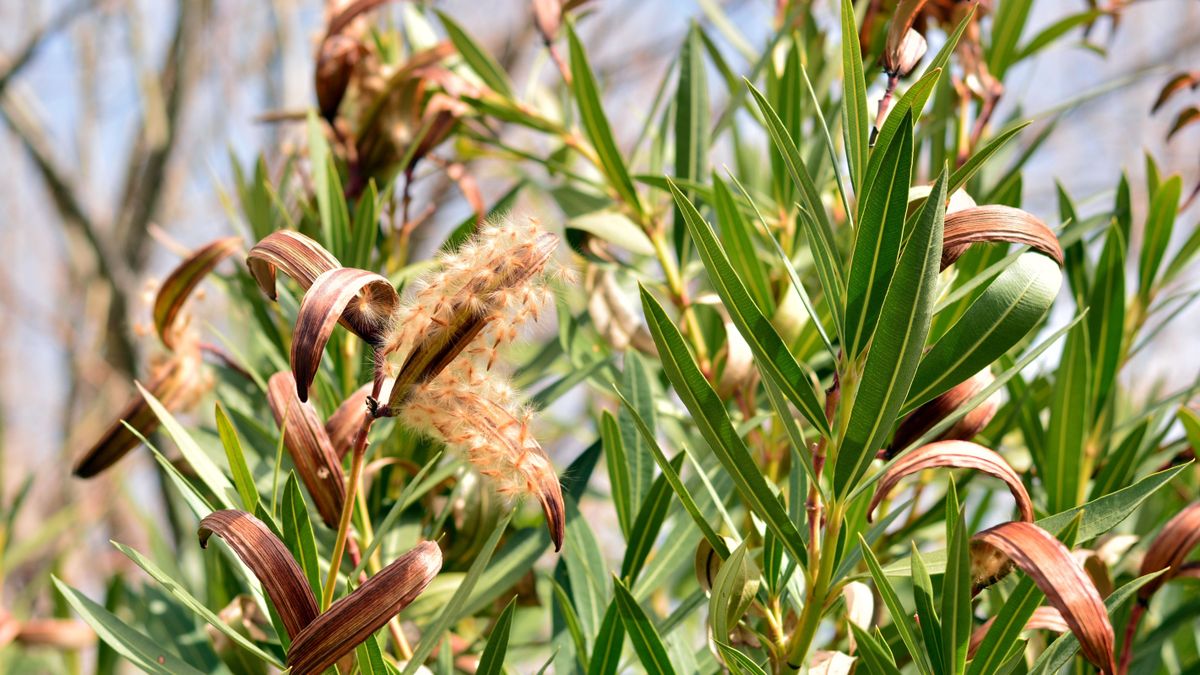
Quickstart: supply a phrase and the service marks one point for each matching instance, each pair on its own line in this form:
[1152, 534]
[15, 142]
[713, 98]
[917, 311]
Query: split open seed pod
[270, 561]
[308, 444]
[953, 455]
[174, 383]
[1065, 583]
[995, 223]
[353, 618]
[927, 416]
[1170, 548]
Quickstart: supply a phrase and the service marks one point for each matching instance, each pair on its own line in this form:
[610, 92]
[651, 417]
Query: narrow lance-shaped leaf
[645, 638]
[491, 662]
[956, 588]
[270, 561]
[178, 286]
[1106, 319]
[1070, 419]
[900, 616]
[896, 347]
[691, 124]
[710, 416]
[1066, 585]
[771, 355]
[877, 239]
[855, 120]
[1159, 224]
[353, 618]
[958, 455]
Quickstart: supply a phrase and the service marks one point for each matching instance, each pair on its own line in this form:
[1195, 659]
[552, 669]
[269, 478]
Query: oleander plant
[787, 380]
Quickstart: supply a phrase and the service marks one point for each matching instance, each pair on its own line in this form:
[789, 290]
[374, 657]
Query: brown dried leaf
[309, 445]
[353, 619]
[1175, 85]
[178, 286]
[367, 300]
[925, 417]
[296, 255]
[957, 455]
[1178, 537]
[1043, 618]
[995, 223]
[173, 383]
[1187, 116]
[57, 633]
[343, 424]
[1066, 585]
[270, 561]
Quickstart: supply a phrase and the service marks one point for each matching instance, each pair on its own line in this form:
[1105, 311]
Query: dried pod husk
[1170, 548]
[830, 663]
[63, 634]
[244, 616]
[1066, 585]
[296, 255]
[476, 514]
[988, 565]
[1043, 618]
[903, 18]
[344, 423]
[915, 424]
[907, 54]
[337, 57]
[1186, 117]
[995, 223]
[1096, 569]
[737, 372]
[353, 618]
[270, 561]
[611, 311]
[956, 455]
[366, 300]
[860, 607]
[309, 446]
[708, 561]
[175, 383]
[178, 285]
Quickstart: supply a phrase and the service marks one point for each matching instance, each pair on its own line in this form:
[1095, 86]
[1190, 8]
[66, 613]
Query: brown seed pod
[178, 286]
[925, 417]
[309, 446]
[1170, 548]
[994, 223]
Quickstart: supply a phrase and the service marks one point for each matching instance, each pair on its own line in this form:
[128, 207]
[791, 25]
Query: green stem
[816, 599]
[339, 543]
[679, 295]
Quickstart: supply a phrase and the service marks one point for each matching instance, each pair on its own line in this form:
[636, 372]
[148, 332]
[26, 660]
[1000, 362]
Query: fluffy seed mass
[495, 285]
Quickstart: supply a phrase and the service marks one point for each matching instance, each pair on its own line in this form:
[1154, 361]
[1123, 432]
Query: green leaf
[672, 476]
[636, 385]
[1060, 652]
[929, 624]
[856, 122]
[969, 168]
[491, 662]
[586, 569]
[646, 641]
[956, 589]
[897, 345]
[1159, 224]
[1007, 25]
[571, 619]
[900, 616]
[999, 319]
[139, 648]
[873, 654]
[606, 654]
[205, 469]
[1054, 31]
[813, 217]
[618, 472]
[712, 419]
[613, 226]
[195, 606]
[595, 124]
[691, 122]
[738, 663]
[370, 657]
[242, 477]
[451, 613]
[771, 355]
[877, 240]
[479, 60]
[737, 236]
[1070, 420]
[1106, 319]
[648, 525]
[298, 532]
